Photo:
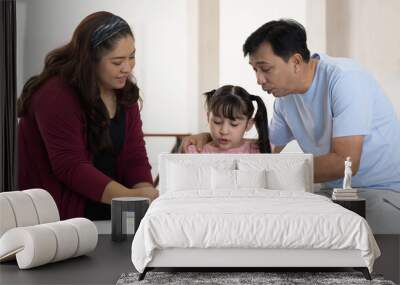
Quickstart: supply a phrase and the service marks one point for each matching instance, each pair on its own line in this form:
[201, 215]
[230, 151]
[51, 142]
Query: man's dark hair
[286, 37]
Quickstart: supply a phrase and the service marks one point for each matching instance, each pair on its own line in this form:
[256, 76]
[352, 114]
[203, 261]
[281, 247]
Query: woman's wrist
[115, 189]
[138, 192]
[147, 192]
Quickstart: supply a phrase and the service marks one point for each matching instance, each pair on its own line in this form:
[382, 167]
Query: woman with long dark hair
[80, 132]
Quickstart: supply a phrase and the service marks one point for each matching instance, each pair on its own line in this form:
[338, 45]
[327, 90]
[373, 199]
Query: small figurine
[347, 174]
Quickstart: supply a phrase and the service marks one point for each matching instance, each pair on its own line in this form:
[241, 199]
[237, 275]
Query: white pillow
[289, 175]
[251, 178]
[226, 179]
[292, 178]
[181, 177]
[223, 179]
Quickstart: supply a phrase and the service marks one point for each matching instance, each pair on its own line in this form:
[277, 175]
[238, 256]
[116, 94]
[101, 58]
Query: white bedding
[252, 218]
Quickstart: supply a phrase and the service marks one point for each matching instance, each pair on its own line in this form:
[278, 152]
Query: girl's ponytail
[209, 95]
[261, 122]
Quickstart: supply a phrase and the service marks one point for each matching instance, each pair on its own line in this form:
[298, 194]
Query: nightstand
[357, 206]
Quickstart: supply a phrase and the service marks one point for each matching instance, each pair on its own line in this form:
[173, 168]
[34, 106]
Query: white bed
[247, 211]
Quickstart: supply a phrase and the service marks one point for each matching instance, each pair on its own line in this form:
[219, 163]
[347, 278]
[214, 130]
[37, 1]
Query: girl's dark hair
[232, 101]
[75, 63]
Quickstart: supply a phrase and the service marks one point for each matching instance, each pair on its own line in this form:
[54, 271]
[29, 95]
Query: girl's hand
[198, 140]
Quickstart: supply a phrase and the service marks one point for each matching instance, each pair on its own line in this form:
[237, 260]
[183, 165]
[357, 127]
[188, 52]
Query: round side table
[119, 207]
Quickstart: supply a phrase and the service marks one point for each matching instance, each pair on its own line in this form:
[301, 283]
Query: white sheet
[252, 218]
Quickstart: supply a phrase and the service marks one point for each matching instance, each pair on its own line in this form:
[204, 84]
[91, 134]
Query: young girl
[230, 114]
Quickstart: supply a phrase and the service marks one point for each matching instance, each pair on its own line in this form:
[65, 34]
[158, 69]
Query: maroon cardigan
[53, 152]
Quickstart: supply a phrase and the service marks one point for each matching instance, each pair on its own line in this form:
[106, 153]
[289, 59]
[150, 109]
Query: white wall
[209, 33]
[373, 40]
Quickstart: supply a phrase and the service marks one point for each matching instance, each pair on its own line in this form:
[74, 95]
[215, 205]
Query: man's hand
[277, 148]
[198, 140]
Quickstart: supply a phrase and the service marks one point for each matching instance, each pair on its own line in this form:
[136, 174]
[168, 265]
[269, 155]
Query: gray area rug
[273, 278]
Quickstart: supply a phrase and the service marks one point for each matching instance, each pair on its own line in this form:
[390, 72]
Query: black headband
[105, 31]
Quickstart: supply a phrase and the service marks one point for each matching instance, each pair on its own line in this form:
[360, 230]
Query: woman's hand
[114, 190]
[147, 192]
[198, 140]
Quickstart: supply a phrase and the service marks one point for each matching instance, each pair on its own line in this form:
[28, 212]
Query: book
[340, 190]
[345, 194]
[345, 197]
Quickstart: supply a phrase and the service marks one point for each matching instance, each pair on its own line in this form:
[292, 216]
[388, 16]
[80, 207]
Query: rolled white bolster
[23, 208]
[33, 246]
[87, 235]
[46, 208]
[7, 217]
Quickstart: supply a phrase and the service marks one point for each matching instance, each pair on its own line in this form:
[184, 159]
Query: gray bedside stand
[357, 205]
[119, 207]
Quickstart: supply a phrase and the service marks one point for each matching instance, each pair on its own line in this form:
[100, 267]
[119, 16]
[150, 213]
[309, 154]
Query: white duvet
[250, 219]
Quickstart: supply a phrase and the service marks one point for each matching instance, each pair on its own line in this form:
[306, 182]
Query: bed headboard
[285, 171]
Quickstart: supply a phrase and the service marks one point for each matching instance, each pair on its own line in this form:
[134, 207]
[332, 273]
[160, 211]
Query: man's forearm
[277, 148]
[328, 167]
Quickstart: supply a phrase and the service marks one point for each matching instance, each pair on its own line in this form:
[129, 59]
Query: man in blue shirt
[331, 106]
